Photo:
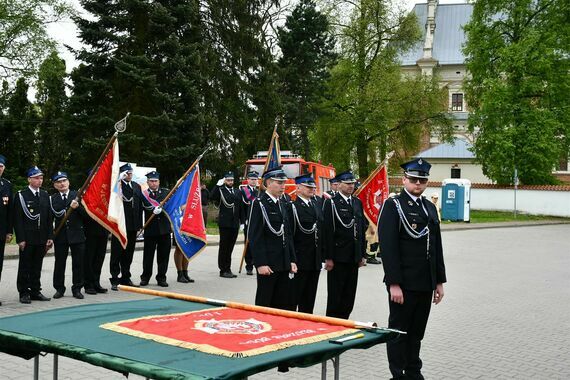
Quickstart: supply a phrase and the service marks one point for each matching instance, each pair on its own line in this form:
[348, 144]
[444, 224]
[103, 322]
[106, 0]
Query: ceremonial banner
[228, 332]
[103, 198]
[373, 193]
[274, 152]
[184, 209]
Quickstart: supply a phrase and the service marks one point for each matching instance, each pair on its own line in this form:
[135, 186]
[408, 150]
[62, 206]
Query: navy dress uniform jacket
[340, 244]
[308, 247]
[406, 259]
[159, 225]
[36, 232]
[6, 199]
[132, 203]
[73, 231]
[229, 211]
[267, 248]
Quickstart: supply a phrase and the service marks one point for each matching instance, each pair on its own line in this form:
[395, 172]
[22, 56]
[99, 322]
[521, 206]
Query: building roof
[459, 148]
[448, 36]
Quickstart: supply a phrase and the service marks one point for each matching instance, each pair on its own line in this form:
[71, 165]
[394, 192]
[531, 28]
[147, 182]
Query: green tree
[53, 138]
[24, 41]
[518, 92]
[18, 130]
[371, 107]
[142, 57]
[307, 47]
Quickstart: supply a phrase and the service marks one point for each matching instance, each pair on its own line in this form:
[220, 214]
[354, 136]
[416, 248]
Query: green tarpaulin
[75, 332]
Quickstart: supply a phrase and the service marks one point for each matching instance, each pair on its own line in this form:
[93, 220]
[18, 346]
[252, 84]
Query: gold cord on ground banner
[260, 309]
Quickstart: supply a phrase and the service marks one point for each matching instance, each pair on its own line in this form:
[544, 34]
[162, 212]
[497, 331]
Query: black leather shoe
[39, 297]
[25, 298]
[373, 260]
[186, 276]
[143, 283]
[249, 272]
[130, 283]
[90, 291]
[163, 284]
[114, 287]
[181, 278]
[227, 275]
[100, 289]
[57, 295]
[78, 295]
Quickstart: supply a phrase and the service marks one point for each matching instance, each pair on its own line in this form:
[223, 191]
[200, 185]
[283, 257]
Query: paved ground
[505, 313]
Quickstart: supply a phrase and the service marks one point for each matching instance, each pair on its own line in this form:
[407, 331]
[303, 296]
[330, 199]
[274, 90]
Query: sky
[65, 32]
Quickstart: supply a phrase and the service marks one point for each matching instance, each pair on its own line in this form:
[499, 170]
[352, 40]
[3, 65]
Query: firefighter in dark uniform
[121, 259]
[33, 224]
[70, 237]
[157, 233]
[229, 201]
[248, 193]
[334, 182]
[344, 247]
[307, 218]
[6, 198]
[271, 241]
[412, 254]
[96, 248]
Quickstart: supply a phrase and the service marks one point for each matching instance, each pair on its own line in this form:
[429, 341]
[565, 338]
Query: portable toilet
[456, 197]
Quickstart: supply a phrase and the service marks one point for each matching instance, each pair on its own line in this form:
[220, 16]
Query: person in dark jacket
[121, 259]
[412, 254]
[6, 223]
[307, 219]
[157, 233]
[96, 238]
[229, 201]
[271, 241]
[344, 246]
[70, 237]
[33, 224]
[248, 193]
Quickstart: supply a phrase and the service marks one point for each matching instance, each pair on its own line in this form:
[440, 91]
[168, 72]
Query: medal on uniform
[5, 200]
[414, 226]
[410, 203]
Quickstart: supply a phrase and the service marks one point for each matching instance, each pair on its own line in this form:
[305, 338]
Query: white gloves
[220, 182]
[241, 227]
[157, 210]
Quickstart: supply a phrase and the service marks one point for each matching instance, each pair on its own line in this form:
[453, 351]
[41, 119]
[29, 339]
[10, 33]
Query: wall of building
[536, 202]
[441, 169]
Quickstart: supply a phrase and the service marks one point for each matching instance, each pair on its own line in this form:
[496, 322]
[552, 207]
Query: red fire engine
[294, 165]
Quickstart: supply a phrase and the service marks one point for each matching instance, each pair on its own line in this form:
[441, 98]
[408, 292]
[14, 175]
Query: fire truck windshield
[292, 170]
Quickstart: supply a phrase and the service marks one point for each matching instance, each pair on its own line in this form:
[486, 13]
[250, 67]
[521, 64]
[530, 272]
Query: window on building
[455, 173]
[457, 102]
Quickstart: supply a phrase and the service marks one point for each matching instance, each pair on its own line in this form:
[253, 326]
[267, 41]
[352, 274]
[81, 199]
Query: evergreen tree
[307, 55]
[517, 55]
[51, 100]
[142, 57]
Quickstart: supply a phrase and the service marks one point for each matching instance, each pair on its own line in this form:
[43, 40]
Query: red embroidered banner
[373, 193]
[228, 332]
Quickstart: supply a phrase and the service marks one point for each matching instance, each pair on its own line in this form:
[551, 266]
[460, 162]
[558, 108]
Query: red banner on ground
[228, 332]
[373, 193]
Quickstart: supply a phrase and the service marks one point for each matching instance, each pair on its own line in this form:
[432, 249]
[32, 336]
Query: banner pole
[369, 178]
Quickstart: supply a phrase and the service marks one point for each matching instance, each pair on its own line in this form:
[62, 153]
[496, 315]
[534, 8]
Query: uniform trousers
[161, 244]
[30, 269]
[248, 255]
[306, 284]
[2, 247]
[228, 237]
[77, 254]
[275, 290]
[411, 317]
[121, 259]
[341, 283]
[95, 251]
